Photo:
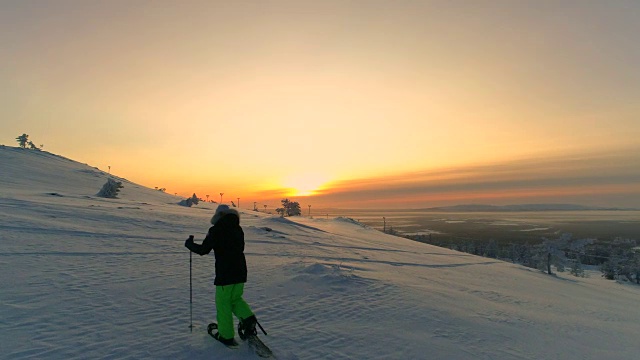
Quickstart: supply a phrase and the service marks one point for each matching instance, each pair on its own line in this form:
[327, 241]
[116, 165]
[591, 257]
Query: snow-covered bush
[193, 200]
[33, 146]
[110, 189]
[577, 269]
[609, 269]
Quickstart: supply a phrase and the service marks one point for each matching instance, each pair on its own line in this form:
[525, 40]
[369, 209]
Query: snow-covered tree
[551, 252]
[623, 261]
[33, 146]
[629, 265]
[110, 189]
[491, 250]
[577, 248]
[289, 208]
[609, 269]
[23, 140]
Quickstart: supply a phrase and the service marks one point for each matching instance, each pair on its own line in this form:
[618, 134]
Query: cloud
[608, 179]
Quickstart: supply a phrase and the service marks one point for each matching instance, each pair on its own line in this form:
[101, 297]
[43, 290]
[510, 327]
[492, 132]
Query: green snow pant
[229, 302]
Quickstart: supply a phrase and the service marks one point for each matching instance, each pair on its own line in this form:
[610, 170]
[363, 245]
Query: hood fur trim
[221, 211]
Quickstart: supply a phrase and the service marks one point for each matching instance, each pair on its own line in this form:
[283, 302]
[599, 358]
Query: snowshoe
[230, 343]
[247, 331]
[259, 348]
[247, 327]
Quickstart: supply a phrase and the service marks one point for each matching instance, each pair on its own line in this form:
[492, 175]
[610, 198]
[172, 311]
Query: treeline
[617, 259]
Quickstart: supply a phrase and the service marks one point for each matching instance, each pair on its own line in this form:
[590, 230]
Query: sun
[304, 184]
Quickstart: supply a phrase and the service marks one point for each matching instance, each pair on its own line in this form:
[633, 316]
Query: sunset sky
[402, 104]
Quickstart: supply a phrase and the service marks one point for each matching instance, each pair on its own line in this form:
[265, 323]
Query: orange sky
[362, 103]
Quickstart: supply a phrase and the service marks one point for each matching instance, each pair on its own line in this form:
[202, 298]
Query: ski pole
[261, 328]
[190, 289]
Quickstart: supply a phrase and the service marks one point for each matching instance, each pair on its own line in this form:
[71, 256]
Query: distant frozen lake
[517, 224]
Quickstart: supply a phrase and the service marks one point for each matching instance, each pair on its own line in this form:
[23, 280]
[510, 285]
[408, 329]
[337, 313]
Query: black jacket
[226, 239]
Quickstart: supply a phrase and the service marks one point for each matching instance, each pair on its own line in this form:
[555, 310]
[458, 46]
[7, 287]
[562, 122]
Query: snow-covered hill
[83, 277]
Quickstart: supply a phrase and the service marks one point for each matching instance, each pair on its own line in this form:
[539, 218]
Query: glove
[189, 242]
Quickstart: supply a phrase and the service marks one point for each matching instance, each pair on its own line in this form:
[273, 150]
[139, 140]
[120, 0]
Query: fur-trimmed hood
[221, 211]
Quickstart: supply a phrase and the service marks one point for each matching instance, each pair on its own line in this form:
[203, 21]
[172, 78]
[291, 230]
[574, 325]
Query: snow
[83, 277]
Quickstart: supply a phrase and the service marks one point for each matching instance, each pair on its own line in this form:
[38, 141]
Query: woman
[226, 239]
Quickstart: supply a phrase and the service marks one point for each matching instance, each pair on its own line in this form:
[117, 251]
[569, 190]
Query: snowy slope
[88, 278]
